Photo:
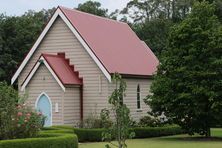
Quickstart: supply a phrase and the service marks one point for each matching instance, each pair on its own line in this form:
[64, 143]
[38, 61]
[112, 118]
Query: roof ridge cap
[100, 17]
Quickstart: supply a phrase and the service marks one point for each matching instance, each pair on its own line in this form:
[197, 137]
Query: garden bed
[48, 138]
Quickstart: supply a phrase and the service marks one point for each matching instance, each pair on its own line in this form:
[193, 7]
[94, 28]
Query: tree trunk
[208, 133]
[173, 10]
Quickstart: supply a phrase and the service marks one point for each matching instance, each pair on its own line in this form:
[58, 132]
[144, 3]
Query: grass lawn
[179, 141]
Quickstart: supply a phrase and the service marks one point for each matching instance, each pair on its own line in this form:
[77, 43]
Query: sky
[18, 7]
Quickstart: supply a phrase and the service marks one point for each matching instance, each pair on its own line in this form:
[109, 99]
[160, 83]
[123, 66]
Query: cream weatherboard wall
[43, 81]
[131, 96]
[71, 106]
[61, 39]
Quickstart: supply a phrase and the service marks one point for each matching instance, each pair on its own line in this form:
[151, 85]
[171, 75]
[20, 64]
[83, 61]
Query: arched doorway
[44, 105]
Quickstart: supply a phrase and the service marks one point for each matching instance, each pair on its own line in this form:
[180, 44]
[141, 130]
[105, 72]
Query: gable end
[57, 13]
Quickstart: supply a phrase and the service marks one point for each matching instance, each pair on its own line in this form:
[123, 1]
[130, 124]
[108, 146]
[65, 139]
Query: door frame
[37, 100]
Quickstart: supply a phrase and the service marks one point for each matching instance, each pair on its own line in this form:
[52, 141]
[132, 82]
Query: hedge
[60, 131]
[67, 127]
[58, 127]
[147, 132]
[95, 135]
[44, 140]
[89, 135]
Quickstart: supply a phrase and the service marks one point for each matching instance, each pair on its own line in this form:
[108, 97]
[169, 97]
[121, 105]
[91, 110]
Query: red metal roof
[114, 43]
[64, 71]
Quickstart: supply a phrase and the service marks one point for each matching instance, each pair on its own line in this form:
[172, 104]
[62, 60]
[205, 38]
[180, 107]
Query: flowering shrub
[17, 120]
[27, 122]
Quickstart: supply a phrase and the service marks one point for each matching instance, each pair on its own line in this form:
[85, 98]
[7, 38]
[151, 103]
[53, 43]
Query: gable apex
[59, 13]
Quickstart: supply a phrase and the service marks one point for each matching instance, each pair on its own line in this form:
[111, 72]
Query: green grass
[179, 141]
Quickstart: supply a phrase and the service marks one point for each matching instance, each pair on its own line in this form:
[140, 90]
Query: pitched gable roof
[63, 69]
[60, 69]
[112, 45]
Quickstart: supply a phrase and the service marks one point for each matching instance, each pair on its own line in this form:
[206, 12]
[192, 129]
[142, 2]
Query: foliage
[67, 127]
[90, 122]
[147, 132]
[121, 121]
[16, 119]
[154, 33]
[95, 135]
[43, 140]
[105, 118]
[89, 135]
[8, 99]
[187, 87]
[174, 10]
[93, 121]
[56, 137]
[93, 7]
[17, 35]
[152, 19]
[148, 121]
[141, 10]
[27, 122]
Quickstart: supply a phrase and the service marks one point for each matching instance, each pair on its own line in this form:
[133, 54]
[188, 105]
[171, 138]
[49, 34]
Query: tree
[154, 33]
[17, 35]
[153, 18]
[188, 84]
[93, 7]
[121, 124]
[143, 10]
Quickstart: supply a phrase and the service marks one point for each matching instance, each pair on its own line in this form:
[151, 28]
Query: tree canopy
[17, 35]
[93, 7]
[188, 84]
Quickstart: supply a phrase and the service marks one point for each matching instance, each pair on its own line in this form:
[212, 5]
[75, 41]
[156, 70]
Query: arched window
[138, 97]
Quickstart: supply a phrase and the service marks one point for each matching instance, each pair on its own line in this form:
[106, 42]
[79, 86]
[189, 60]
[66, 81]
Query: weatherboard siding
[131, 96]
[61, 39]
[71, 106]
[43, 81]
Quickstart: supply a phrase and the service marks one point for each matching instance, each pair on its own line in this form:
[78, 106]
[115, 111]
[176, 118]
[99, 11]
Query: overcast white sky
[18, 7]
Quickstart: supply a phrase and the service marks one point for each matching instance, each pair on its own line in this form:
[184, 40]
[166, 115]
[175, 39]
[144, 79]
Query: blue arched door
[44, 106]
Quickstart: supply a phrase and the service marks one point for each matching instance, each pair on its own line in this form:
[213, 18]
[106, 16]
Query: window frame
[138, 97]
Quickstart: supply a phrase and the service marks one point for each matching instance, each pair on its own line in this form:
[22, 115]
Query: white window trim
[57, 13]
[34, 71]
[50, 102]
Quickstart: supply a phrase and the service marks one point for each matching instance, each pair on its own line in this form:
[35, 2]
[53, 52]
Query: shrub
[28, 122]
[146, 132]
[105, 118]
[16, 119]
[89, 135]
[93, 121]
[149, 121]
[44, 141]
[8, 99]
